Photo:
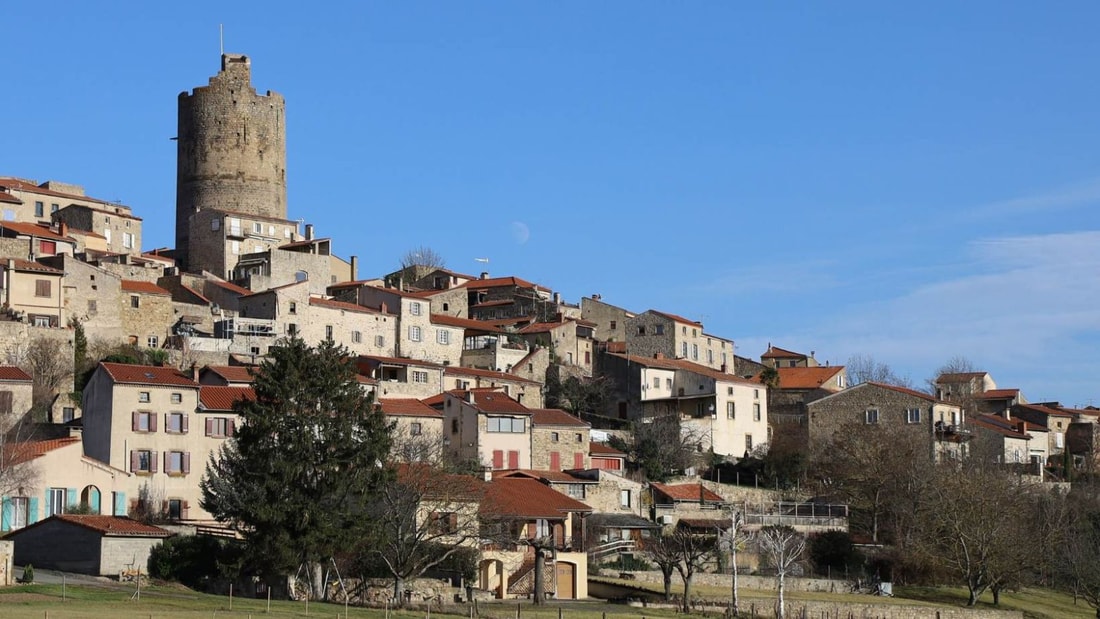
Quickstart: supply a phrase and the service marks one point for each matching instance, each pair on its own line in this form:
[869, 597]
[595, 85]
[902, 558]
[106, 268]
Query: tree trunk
[996, 595]
[687, 593]
[973, 597]
[398, 591]
[316, 572]
[734, 610]
[668, 583]
[780, 611]
[540, 563]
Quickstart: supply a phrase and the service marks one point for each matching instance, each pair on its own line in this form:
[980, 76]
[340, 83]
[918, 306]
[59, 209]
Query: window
[554, 437]
[175, 423]
[555, 461]
[913, 415]
[141, 421]
[328, 332]
[624, 498]
[128, 240]
[175, 509]
[446, 307]
[215, 224]
[257, 227]
[54, 208]
[710, 356]
[92, 307]
[694, 351]
[55, 501]
[659, 329]
[143, 396]
[656, 382]
[454, 426]
[684, 349]
[177, 462]
[416, 428]
[729, 390]
[748, 442]
[39, 209]
[292, 329]
[379, 341]
[42, 287]
[694, 333]
[47, 248]
[356, 337]
[419, 376]
[235, 247]
[443, 522]
[641, 329]
[135, 301]
[414, 334]
[220, 427]
[731, 410]
[613, 325]
[575, 490]
[756, 411]
[143, 461]
[443, 336]
[756, 394]
[870, 415]
[20, 508]
[152, 341]
[668, 384]
[293, 309]
[68, 413]
[516, 425]
[580, 437]
[414, 309]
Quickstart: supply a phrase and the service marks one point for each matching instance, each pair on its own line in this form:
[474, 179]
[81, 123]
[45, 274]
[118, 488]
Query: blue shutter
[120, 504]
[70, 498]
[5, 515]
[93, 499]
[49, 503]
[32, 507]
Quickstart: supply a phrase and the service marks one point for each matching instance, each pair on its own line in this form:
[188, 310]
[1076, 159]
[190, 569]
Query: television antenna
[482, 260]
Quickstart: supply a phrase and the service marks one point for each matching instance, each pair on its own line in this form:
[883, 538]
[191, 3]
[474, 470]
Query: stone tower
[231, 150]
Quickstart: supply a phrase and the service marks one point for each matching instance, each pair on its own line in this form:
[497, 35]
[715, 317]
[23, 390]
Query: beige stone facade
[402, 378]
[91, 296]
[308, 260]
[219, 238]
[488, 427]
[38, 202]
[653, 332]
[118, 227]
[559, 441]
[610, 320]
[362, 330]
[33, 292]
[527, 392]
[146, 313]
[571, 341]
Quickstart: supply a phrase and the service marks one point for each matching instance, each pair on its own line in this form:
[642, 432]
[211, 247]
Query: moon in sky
[520, 232]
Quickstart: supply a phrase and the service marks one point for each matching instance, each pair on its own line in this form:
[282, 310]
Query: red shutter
[209, 427]
[513, 459]
[578, 460]
[183, 424]
[152, 423]
[134, 421]
[135, 460]
[186, 462]
[555, 461]
[498, 459]
[152, 462]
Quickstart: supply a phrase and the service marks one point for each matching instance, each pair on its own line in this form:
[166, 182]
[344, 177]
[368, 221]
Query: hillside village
[123, 365]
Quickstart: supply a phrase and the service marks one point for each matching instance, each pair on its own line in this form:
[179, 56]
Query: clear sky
[911, 181]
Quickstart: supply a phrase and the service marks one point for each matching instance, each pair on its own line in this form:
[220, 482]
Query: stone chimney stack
[484, 275]
[309, 232]
[354, 268]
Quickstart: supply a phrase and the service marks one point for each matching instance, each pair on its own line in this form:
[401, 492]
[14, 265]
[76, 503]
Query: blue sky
[910, 182]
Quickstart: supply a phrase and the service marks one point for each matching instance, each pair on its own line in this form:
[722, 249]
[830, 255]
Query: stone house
[218, 239]
[606, 458]
[527, 392]
[917, 416]
[309, 260]
[559, 440]
[488, 346]
[151, 422]
[429, 279]
[131, 266]
[418, 429]
[506, 297]
[24, 200]
[449, 302]
[798, 386]
[419, 334]
[364, 331]
[999, 401]
[227, 375]
[402, 378]
[226, 295]
[488, 427]
[33, 241]
[776, 357]
[16, 395]
[33, 292]
[146, 313]
[571, 341]
[60, 477]
[671, 502]
[675, 337]
[1055, 420]
[1011, 441]
[286, 305]
[726, 413]
[119, 228]
[87, 544]
[610, 320]
[534, 366]
[91, 296]
[963, 386]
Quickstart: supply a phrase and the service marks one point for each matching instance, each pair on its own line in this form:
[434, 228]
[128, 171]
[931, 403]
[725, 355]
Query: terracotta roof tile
[398, 361]
[683, 364]
[459, 371]
[22, 452]
[519, 497]
[491, 401]
[30, 229]
[276, 288]
[465, 323]
[998, 394]
[604, 450]
[806, 378]
[341, 305]
[676, 318]
[146, 375]
[33, 267]
[10, 373]
[407, 407]
[17, 184]
[134, 285]
[775, 352]
[687, 492]
[1002, 426]
[8, 198]
[305, 243]
[497, 303]
[555, 417]
[232, 373]
[230, 286]
[219, 398]
[959, 377]
[906, 391]
[113, 525]
[498, 282]
[555, 477]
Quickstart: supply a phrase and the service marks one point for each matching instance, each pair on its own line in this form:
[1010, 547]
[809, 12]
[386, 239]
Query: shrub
[833, 550]
[28, 574]
[195, 560]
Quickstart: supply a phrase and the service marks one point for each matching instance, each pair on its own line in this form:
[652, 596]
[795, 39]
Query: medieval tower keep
[231, 150]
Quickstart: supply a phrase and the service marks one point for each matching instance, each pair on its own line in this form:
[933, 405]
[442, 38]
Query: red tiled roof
[38, 230]
[465, 323]
[775, 352]
[341, 305]
[554, 477]
[959, 377]
[219, 398]
[232, 373]
[687, 492]
[542, 327]
[616, 347]
[906, 391]
[154, 254]
[805, 378]
[8, 198]
[555, 417]
[683, 364]
[676, 318]
[604, 450]
[460, 371]
[519, 497]
[230, 286]
[999, 394]
[491, 401]
[1002, 426]
[112, 525]
[195, 293]
[10, 373]
[1045, 410]
[16, 184]
[22, 452]
[407, 407]
[146, 375]
[34, 267]
[435, 483]
[134, 285]
[497, 282]
[276, 288]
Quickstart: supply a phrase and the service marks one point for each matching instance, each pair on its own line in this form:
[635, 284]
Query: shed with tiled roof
[87, 544]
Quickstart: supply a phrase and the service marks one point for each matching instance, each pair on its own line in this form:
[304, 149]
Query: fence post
[230, 596]
[269, 599]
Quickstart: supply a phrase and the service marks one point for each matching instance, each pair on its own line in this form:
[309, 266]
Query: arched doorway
[89, 499]
[492, 577]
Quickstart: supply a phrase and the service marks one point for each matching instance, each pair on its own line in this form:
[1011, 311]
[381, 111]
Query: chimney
[596, 297]
[354, 268]
[724, 369]
[484, 275]
[658, 355]
[557, 298]
[470, 397]
[1023, 427]
[384, 308]
[194, 372]
[309, 232]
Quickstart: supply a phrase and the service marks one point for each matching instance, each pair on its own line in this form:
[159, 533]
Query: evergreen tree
[308, 456]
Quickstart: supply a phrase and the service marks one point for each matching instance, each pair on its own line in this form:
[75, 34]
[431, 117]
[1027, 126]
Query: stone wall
[152, 315]
[610, 320]
[7, 563]
[125, 553]
[566, 441]
[830, 415]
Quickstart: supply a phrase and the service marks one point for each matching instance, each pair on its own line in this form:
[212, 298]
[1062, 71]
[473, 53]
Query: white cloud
[1072, 196]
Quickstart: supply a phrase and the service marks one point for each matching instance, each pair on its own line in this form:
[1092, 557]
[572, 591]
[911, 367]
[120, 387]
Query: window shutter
[152, 462]
[70, 497]
[186, 462]
[135, 462]
[555, 461]
[183, 424]
[152, 423]
[32, 516]
[5, 402]
[120, 504]
[578, 460]
[231, 428]
[209, 427]
[498, 459]
[49, 502]
[7, 515]
[168, 462]
[452, 521]
[134, 416]
[513, 459]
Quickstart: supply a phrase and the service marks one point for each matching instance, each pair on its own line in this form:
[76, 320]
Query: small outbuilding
[87, 544]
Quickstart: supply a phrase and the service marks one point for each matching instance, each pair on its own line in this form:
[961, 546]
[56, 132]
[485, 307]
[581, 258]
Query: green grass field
[113, 601]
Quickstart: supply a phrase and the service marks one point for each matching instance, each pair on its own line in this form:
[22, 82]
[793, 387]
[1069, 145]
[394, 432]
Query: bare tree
[422, 256]
[17, 465]
[957, 364]
[665, 552]
[49, 364]
[1078, 563]
[662, 445]
[732, 540]
[864, 368]
[695, 550]
[782, 548]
